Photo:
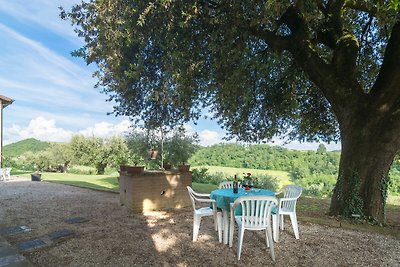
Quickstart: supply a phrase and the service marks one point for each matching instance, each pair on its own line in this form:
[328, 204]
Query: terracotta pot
[183, 168]
[167, 166]
[153, 154]
[134, 169]
[122, 168]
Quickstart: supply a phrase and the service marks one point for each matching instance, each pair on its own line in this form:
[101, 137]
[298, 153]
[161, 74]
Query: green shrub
[320, 186]
[82, 170]
[268, 182]
[202, 176]
[394, 182]
[199, 175]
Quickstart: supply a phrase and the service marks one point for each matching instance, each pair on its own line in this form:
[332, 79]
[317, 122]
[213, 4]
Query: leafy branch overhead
[169, 58]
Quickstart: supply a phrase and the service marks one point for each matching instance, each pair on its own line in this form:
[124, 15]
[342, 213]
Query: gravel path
[114, 236]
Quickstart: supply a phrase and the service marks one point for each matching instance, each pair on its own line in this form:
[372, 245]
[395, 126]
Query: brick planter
[154, 190]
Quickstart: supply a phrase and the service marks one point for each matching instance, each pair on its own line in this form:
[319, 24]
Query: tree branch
[275, 42]
[335, 10]
[321, 6]
[362, 6]
[386, 87]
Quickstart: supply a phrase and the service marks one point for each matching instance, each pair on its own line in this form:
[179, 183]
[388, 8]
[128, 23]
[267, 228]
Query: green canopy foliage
[180, 146]
[99, 152]
[256, 64]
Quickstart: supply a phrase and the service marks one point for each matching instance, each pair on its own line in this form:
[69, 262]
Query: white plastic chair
[7, 174]
[286, 206]
[227, 184]
[256, 216]
[204, 211]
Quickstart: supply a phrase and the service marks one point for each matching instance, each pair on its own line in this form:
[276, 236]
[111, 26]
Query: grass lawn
[99, 182]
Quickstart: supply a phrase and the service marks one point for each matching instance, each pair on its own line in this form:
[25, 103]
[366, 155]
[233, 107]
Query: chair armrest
[235, 204]
[201, 194]
[288, 199]
[204, 200]
[278, 193]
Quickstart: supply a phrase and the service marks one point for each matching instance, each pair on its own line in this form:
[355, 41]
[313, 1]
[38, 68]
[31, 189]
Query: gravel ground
[114, 236]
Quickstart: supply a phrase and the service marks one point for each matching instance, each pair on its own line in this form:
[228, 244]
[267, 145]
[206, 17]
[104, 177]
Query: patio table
[223, 198]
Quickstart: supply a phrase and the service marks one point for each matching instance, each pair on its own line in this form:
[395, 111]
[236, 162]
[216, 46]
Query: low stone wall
[154, 190]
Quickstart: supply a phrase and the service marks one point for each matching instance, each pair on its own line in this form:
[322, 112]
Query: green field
[282, 176]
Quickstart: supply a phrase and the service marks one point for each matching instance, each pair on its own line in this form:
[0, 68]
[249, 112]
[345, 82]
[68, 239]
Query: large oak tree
[308, 70]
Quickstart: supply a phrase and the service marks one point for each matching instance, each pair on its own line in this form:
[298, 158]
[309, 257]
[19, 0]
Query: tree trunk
[100, 168]
[366, 157]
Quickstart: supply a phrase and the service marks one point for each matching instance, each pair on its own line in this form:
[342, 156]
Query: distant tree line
[101, 153]
[316, 171]
[299, 163]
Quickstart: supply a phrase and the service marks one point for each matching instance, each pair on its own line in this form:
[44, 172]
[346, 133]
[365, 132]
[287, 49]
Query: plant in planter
[134, 164]
[180, 148]
[167, 166]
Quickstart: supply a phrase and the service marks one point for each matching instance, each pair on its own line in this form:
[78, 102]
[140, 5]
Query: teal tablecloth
[223, 197]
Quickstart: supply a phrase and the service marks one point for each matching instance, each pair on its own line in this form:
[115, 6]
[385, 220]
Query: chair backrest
[192, 196]
[256, 210]
[201, 199]
[227, 184]
[293, 192]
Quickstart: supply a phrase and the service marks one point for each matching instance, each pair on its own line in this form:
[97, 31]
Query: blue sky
[54, 92]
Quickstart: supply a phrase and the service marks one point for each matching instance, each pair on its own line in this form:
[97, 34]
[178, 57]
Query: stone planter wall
[155, 190]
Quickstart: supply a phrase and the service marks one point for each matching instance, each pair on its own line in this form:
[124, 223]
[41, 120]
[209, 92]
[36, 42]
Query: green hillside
[19, 148]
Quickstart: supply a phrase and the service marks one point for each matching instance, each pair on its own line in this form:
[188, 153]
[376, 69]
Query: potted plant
[36, 176]
[135, 160]
[180, 148]
[167, 166]
[183, 167]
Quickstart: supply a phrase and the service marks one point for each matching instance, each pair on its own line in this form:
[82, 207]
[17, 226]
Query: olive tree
[99, 152]
[324, 70]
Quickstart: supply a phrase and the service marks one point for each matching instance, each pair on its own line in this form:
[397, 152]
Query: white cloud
[208, 137]
[46, 130]
[105, 129]
[38, 128]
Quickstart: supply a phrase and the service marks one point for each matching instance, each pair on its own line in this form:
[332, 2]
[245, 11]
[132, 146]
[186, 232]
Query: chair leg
[240, 241]
[216, 221]
[295, 226]
[219, 222]
[275, 227]
[281, 221]
[231, 229]
[269, 240]
[196, 226]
